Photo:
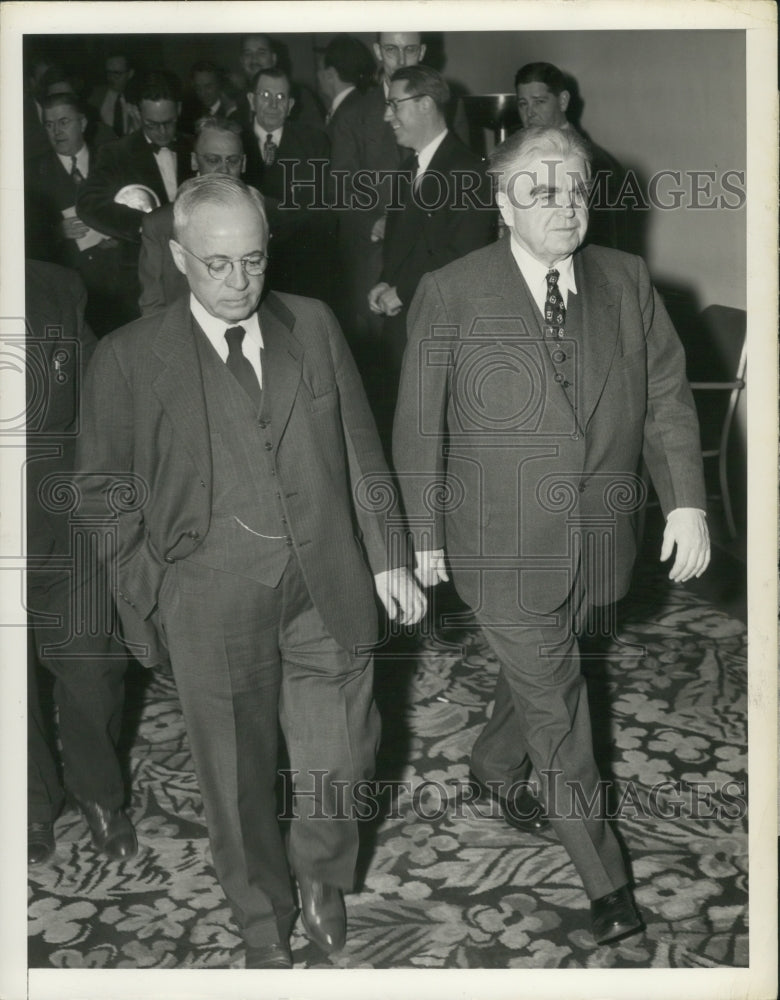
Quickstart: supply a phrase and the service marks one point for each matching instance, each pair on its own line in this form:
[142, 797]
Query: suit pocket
[326, 401]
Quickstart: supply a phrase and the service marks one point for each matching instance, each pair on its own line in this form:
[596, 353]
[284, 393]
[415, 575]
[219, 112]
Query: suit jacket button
[169, 559]
[581, 487]
[193, 534]
[289, 540]
[268, 446]
[262, 423]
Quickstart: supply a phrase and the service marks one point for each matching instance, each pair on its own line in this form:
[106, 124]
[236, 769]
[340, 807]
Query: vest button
[193, 534]
[560, 334]
[566, 384]
[575, 437]
[169, 559]
[558, 377]
[559, 356]
[262, 423]
[289, 540]
[268, 446]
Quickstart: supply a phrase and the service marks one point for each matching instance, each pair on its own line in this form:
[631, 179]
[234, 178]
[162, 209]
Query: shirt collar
[215, 328]
[82, 161]
[261, 133]
[426, 154]
[338, 99]
[535, 274]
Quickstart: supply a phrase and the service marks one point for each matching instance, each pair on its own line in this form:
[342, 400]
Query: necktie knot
[234, 337]
[75, 173]
[552, 278]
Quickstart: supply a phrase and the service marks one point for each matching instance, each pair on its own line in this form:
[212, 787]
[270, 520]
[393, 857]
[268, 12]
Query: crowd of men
[277, 277]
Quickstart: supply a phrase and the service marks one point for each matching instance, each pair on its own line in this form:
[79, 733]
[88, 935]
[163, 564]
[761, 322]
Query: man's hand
[389, 302]
[73, 228]
[378, 230]
[375, 295]
[430, 567]
[686, 527]
[383, 300]
[400, 595]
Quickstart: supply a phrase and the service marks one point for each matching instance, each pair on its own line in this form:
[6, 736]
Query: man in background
[111, 100]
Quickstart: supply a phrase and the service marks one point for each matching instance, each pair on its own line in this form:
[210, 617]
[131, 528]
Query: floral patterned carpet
[446, 883]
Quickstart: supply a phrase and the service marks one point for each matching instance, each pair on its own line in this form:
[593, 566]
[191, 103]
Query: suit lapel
[179, 383]
[282, 359]
[508, 299]
[600, 327]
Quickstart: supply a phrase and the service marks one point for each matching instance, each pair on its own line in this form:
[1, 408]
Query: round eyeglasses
[220, 267]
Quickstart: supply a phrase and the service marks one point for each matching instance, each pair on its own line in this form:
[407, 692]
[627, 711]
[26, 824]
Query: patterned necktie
[554, 309]
[75, 173]
[270, 150]
[241, 367]
[119, 120]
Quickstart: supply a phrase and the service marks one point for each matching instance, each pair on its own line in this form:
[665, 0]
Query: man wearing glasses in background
[248, 560]
[287, 162]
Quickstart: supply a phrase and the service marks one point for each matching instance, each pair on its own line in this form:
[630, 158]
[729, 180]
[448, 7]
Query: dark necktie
[119, 120]
[240, 366]
[554, 309]
[270, 150]
[75, 173]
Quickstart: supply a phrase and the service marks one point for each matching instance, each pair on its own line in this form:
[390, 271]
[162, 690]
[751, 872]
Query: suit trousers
[89, 669]
[541, 721]
[247, 657]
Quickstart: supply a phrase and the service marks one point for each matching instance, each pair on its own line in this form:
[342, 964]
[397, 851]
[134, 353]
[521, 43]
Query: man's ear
[178, 256]
[251, 98]
[193, 163]
[504, 207]
[290, 105]
[563, 100]
[377, 51]
[422, 52]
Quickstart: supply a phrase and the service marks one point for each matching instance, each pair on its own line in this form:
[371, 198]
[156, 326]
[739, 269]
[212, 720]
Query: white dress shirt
[82, 161]
[262, 135]
[535, 274]
[166, 164]
[426, 154]
[215, 329]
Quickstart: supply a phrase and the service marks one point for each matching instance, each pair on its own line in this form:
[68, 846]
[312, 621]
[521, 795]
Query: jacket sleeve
[373, 492]
[672, 444]
[420, 415]
[95, 204]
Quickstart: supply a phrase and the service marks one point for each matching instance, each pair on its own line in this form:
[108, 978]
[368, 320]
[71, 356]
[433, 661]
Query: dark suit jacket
[299, 219]
[55, 299]
[436, 226]
[526, 476]
[129, 160]
[144, 414]
[161, 281]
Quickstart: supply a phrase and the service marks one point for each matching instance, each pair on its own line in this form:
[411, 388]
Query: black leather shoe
[323, 914]
[614, 916]
[112, 832]
[522, 810]
[268, 956]
[40, 842]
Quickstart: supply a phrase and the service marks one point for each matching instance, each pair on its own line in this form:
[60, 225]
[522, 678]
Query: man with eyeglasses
[254, 555]
[53, 231]
[218, 150]
[287, 162]
[445, 211]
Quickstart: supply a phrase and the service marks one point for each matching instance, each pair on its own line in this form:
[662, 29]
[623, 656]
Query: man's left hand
[686, 528]
[401, 595]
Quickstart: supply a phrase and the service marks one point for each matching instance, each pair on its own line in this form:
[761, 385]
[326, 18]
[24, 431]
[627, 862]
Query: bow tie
[156, 147]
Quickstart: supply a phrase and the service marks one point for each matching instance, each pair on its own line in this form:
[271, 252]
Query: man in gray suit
[549, 370]
[253, 554]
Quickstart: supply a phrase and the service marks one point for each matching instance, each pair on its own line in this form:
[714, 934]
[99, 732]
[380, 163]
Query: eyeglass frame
[227, 260]
[266, 95]
[408, 50]
[393, 102]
